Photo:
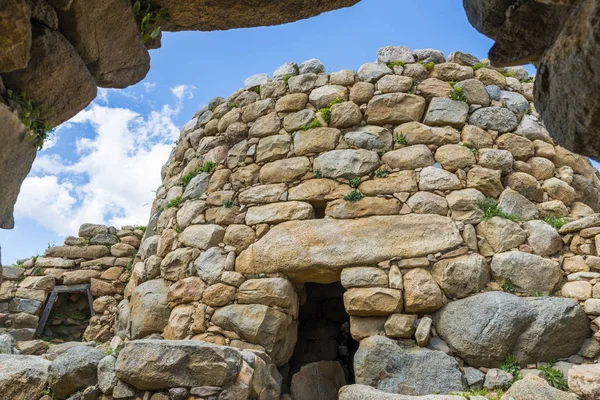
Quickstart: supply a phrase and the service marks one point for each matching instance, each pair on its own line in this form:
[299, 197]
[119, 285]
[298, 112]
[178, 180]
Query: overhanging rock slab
[317, 250]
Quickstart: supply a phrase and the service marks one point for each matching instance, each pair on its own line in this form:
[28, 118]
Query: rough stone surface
[74, 369]
[288, 247]
[405, 369]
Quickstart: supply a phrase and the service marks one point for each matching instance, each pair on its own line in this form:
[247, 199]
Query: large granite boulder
[15, 34]
[394, 367]
[364, 392]
[163, 364]
[318, 380]
[23, 377]
[149, 311]
[16, 157]
[485, 328]
[107, 38]
[74, 369]
[317, 250]
[54, 70]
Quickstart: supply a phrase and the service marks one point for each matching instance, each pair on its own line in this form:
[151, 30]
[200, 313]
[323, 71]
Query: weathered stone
[411, 157]
[422, 295]
[487, 181]
[111, 47]
[74, 252]
[525, 184]
[442, 112]
[369, 137]
[408, 369]
[449, 71]
[402, 181]
[583, 223]
[211, 264]
[454, 157]
[464, 205]
[149, 309]
[474, 91]
[521, 148]
[394, 83]
[315, 140]
[163, 364]
[272, 148]
[535, 388]
[258, 324]
[367, 206]
[324, 95]
[362, 327]
[417, 133]
[462, 276]
[107, 379]
[279, 212]
[51, 50]
[284, 247]
[496, 118]
[400, 325]
[268, 291]
[373, 301]
[286, 170]
[395, 108]
[558, 331]
[432, 178]
[23, 377]
[484, 328]
[559, 190]
[202, 236]
[345, 115]
[318, 380]
[255, 110]
[365, 392]
[584, 380]
[346, 163]
[395, 53]
[527, 271]
[543, 238]
[318, 190]
[432, 87]
[501, 234]
[74, 369]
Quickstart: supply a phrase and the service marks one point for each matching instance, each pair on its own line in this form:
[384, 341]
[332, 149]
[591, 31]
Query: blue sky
[104, 164]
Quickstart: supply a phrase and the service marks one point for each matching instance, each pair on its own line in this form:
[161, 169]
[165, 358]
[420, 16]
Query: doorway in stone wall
[324, 338]
[66, 314]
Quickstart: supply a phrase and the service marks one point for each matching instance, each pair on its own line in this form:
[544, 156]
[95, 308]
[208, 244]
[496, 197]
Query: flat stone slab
[318, 250]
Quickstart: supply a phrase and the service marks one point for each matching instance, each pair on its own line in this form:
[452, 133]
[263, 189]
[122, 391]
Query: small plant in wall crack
[458, 94]
[32, 115]
[354, 195]
[355, 182]
[381, 173]
[508, 287]
[228, 204]
[555, 377]
[555, 222]
[147, 19]
[393, 64]
[511, 365]
[400, 140]
[491, 209]
[318, 173]
[176, 202]
[208, 167]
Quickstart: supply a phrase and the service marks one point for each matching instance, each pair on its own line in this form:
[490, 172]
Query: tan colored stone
[502, 234]
[272, 148]
[345, 115]
[559, 190]
[186, 290]
[434, 87]
[82, 276]
[362, 327]
[400, 326]
[317, 250]
[315, 140]
[476, 138]
[180, 321]
[291, 102]
[362, 92]
[363, 277]
[402, 181]
[239, 236]
[417, 133]
[491, 77]
[122, 250]
[367, 206]
[421, 294]
[454, 157]
[74, 252]
[449, 71]
[582, 290]
[286, 170]
[372, 301]
[487, 181]
[461, 276]
[584, 380]
[268, 291]
[410, 157]
[318, 190]
[575, 264]
[279, 212]
[202, 236]
[218, 295]
[520, 147]
[395, 108]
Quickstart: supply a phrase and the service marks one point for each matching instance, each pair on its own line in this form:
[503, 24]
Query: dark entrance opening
[323, 331]
[66, 313]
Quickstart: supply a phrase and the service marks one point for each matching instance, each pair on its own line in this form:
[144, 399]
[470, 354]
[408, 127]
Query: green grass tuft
[511, 365]
[393, 64]
[400, 140]
[176, 202]
[32, 115]
[313, 124]
[354, 195]
[429, 66]
[381, 173]
[355, 182]
[490, 209]
[208, 167]
[228, 204]
[478, 66]
[555, 222]
[318, 173]
[555, 377]
[458, 94]
[148, 19]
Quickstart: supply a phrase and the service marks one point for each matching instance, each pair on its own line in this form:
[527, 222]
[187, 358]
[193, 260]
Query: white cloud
[182, 92]
[114, 178]
[102, 95]
[149, 86]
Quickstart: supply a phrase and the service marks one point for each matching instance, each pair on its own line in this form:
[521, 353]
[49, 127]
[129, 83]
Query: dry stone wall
[398, 232]
[100, 256]
[429, 188]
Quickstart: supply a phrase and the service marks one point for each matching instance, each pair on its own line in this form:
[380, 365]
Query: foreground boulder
[317, 250]
[22, 377]
[532, 387]
[485, 328]
[163, 364]
[404, 368]
[149, 310]
[74, 369]
[319, 380]
[585, 381]
[364, 392]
